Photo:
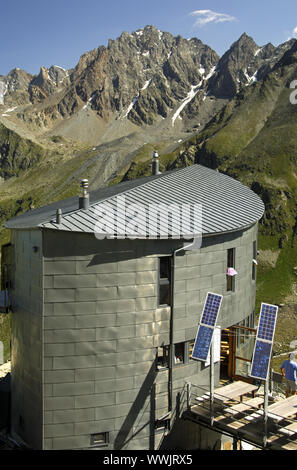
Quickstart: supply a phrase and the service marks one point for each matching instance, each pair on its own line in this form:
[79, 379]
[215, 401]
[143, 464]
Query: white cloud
[294, 33]
[204, 17]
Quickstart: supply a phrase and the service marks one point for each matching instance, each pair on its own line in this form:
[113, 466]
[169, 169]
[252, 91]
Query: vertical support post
[152, 417]
[189, 396]
[211, 382]
[235, 443]
[265, 412]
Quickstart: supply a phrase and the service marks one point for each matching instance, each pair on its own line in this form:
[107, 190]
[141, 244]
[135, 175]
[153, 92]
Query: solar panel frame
[206, 327]
[264, 341]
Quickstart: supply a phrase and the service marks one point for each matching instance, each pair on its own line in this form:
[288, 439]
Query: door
[242, 352]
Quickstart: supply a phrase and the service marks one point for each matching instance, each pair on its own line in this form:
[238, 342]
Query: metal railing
[199, 396]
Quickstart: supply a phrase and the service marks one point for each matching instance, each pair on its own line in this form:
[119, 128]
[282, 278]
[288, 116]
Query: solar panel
[267, 322]
[261, 360]
[264, 341]
[206, 328]
[211, 308]
[202, 343]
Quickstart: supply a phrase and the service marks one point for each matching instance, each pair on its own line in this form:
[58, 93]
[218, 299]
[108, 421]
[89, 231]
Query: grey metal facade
[85, 331]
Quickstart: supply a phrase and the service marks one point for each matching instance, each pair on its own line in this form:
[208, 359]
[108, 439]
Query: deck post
[265, 416]
[211, 383]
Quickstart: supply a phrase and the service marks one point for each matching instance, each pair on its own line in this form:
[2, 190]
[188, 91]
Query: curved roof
[227, 205]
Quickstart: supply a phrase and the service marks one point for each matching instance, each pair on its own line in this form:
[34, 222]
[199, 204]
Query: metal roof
[227, 205]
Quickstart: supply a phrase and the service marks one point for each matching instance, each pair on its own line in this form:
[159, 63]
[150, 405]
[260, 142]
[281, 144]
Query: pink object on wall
[231, 272]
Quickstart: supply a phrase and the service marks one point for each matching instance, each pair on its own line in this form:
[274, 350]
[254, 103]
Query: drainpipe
[171, 344]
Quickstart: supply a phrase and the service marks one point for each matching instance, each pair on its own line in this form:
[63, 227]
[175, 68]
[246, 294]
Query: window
[100, 439]
[179, 353]
[162, 425]
[6, 270]
[231, 264]
[164, 294]
[254, 260]
[162, 357]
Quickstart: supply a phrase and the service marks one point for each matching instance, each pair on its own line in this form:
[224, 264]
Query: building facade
[102, 329]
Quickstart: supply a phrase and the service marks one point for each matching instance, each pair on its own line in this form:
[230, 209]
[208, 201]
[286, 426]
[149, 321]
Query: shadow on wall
[105, 251]
[147, 390]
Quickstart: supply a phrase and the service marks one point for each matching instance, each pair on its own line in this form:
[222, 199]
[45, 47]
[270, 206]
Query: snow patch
[257, 51]
[192, 93]
[146, 54]
[3, 89]
[59, 67]
[135, 99]
[211, 73]
[146, 85]
[201, 70]
[61, 81]
[251, 79]
[89, 102]
[9, 110]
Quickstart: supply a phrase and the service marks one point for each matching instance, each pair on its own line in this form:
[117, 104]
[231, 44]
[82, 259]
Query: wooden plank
[248, 405]
[257, 401]
[234, 390]
[290, 446]
[289, 430]
[284, 408]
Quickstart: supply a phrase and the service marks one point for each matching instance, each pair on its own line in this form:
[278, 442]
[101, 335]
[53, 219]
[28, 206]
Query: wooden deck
[239, 412]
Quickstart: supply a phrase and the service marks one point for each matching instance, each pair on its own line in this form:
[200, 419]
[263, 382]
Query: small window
[179, 353]
[163, 357]
[100, 439]
[162, 426]
[254, 260]
[6, 266]
[231, 264]
[164, 281]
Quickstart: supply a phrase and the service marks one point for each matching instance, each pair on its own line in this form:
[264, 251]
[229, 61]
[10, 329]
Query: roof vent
[155, 163]
[84, 199]
[59, 216]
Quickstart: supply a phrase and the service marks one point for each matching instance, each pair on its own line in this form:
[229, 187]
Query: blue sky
[56, 32]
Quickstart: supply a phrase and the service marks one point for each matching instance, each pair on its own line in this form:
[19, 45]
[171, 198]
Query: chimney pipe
[59, 216]
[84, 199]
[155, 163]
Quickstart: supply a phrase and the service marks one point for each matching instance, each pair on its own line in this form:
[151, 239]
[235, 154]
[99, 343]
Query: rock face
[243, 64]
[142, 78]
[143, 87]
